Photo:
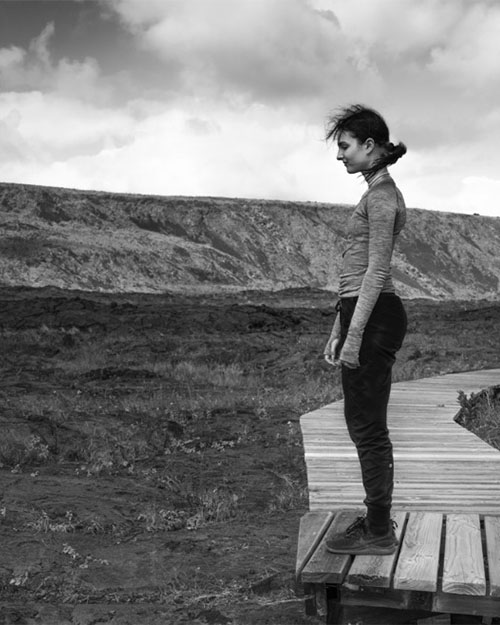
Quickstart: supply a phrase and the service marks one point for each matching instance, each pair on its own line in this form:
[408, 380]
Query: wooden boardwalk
[439, 465]
[445, 563]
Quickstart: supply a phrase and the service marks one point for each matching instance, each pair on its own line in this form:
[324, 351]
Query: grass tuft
[480, 413]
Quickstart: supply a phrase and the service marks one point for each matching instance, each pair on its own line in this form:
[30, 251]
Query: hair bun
[401, 149]
[394, 153]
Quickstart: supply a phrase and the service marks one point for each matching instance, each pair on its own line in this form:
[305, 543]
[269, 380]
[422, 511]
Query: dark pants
[366, 395]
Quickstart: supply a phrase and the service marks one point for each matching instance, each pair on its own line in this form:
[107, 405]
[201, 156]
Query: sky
[231, 97]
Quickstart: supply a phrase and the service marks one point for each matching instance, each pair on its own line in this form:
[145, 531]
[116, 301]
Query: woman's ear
[369, 145]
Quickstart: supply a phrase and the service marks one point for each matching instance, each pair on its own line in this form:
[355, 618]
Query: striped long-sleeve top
[366, 271]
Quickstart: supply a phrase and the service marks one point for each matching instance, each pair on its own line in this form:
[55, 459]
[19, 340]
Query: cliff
[120, 243]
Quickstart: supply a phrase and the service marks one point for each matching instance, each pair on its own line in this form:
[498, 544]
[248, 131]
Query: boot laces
[358, 526]
[361, 524]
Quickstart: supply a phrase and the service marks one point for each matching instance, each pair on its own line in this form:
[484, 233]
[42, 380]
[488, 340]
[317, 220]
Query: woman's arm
[330, 350]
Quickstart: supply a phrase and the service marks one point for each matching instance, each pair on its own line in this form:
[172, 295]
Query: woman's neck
[372, 177]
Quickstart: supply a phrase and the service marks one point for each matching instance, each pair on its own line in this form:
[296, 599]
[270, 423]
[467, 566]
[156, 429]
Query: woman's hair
[365, 123]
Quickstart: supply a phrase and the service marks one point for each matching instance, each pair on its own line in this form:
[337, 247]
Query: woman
[372, 322]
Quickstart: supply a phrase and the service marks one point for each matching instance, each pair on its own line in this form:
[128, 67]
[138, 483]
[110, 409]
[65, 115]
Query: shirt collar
[381, 174]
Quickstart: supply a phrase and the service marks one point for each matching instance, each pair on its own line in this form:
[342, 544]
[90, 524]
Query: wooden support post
[334, 607]
[310, 600]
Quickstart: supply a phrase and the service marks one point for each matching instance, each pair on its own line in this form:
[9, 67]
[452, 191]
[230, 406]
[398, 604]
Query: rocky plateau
[117, 243]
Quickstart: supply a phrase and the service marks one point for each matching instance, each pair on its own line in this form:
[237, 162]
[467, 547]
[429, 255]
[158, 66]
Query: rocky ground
[151, 460]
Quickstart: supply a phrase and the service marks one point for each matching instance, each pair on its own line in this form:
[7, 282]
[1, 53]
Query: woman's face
[356, 156]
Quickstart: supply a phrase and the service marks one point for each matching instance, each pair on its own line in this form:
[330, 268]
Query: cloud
[469, 59]
[264, 50]
[170, 152]
[53, 109]
[43, 128]
[437, 60]
[146, 148]
[35, 69]
[13, 146]
[395, 28]
[422, 63]
[11, 58]
[235, 102]
[476, 195]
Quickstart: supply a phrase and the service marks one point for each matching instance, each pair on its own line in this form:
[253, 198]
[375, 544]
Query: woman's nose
[339, 155]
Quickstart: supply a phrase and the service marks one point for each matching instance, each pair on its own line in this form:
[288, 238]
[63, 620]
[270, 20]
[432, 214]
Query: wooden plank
[448, 490]
[325, 441]
[418, 562]
[414, 447]
[331, 446]
[313, 526]
[465, 604]
[327, 472]
[425, 506]
[387, 598]
[406, 466]
[453, 493]
[407, 486]
[417, 449]
[463, 572]
[376, 570]
[418, 456]
[436, 619]
[412, 480]
[324, 567]
[459, 434]
[401, 501]
[344, 480]
[348, 479]
[492, 531]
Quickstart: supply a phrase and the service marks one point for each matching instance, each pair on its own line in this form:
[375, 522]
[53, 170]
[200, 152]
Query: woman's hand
[349, 356]
[330, 352]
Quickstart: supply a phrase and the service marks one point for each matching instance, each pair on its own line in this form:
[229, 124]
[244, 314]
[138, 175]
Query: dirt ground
[151, 459]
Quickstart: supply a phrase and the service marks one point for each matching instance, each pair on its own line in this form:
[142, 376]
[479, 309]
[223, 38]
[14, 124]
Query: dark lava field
[151, 461]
